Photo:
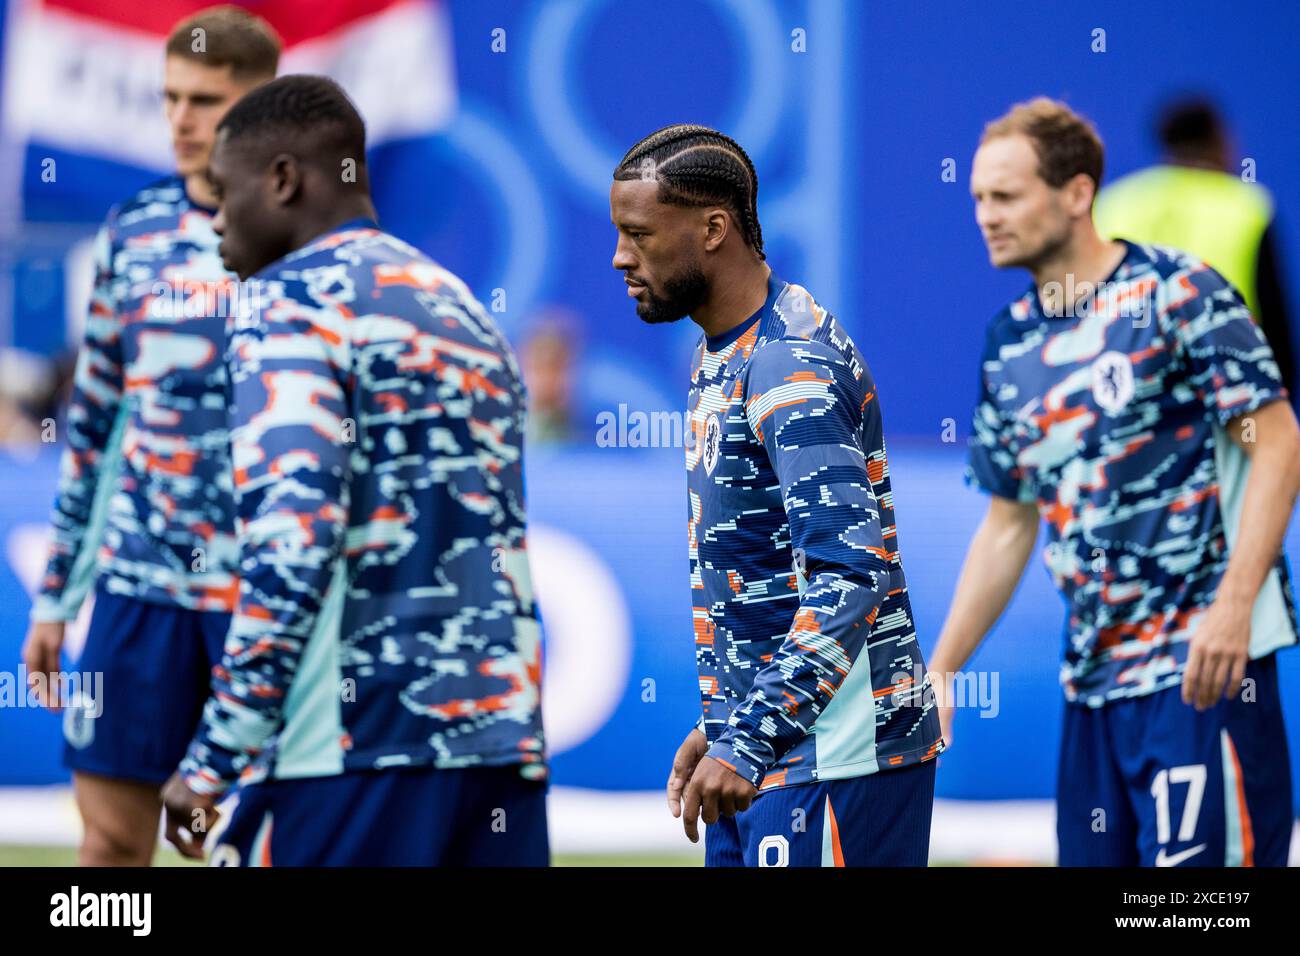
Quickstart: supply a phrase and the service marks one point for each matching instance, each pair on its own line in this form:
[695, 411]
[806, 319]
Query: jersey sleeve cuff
[1257, 399]
[47, 609]
[208, 770]
[726, 755]
[1013, 492]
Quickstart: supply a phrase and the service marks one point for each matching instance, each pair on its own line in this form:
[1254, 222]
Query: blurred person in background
[1195, 200]
[26, 383]
[1145, 426]
[547, 358]
[144, 509]
[53, 404]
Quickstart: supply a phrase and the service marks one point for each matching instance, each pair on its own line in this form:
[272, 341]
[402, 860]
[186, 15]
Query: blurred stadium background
[494, 128]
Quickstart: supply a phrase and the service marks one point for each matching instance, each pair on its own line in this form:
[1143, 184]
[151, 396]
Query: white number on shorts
[782, 851]
[223, 854]
[1194, 775]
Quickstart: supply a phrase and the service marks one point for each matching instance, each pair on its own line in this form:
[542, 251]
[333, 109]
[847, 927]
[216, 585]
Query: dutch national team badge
[79, 722]
[1112, 381]
[712, 443]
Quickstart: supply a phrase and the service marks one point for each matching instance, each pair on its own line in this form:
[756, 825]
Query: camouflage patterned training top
[385, 614]
[1111, 419]
[144, 496]
[808, 660]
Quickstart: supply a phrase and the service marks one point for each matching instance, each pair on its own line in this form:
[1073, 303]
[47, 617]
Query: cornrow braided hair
[698, 166]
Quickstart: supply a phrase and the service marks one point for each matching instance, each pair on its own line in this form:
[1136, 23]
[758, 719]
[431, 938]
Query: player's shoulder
[798, 337]
[392, 265]
[1183, 280]
[1151, 260]
[377, 269]
[355, 249]
[1011, 322]
[1159, 260]
[154, 205]
[797, 326]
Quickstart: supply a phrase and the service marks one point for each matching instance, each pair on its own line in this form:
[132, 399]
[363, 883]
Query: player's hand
[41, 657]
[190, 817]
[1216, 660]
[714, 791]
[688, 755]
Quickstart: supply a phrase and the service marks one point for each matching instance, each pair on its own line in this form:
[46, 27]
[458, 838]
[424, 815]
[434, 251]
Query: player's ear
[286, 178]
[717, 224]
[1079, 193]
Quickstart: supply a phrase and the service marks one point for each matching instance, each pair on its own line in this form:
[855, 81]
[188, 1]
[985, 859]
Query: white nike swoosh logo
[1162, 860]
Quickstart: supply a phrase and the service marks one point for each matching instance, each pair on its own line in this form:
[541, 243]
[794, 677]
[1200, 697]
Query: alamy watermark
[1126, 299]
[633, 428]
[82, 690]
[242, 300]
[980, 690]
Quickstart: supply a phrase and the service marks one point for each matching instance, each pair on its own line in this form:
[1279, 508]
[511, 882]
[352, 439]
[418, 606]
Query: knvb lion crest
[712, 443]
[1112, 381]
[79, 721]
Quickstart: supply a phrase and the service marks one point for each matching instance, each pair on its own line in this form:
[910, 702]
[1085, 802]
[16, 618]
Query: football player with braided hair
[817, 734]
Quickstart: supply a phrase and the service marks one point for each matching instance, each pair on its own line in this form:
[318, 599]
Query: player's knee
[115, 845]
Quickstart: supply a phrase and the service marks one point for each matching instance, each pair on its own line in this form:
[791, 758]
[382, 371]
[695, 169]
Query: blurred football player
[1128, 400]
[144, 511]
[379, 694]
[818, 731]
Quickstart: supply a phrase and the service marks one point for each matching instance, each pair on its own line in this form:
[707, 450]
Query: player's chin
[655, 313]
[1004, 258]
[234, 265]
[190, 164]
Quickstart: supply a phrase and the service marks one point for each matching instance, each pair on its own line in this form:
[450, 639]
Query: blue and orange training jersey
[385, 614]
[809, 665]
[145, 497]
[1112, 420]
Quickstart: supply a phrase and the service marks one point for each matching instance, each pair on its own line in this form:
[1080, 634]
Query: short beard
[683, 294]
[1049, 250]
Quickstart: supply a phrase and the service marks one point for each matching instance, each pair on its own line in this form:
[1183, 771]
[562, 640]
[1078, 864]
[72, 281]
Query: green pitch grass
[67, 856]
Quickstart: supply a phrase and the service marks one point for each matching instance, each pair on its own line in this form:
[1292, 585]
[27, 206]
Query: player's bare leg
[121, 820]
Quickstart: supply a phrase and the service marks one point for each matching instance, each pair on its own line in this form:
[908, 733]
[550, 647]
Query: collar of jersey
[361, 222]
[180, 182]
[308, 248]
[715, 343]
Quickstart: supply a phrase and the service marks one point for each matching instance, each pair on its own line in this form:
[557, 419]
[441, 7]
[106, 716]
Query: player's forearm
[93, 431]
[1269, 498]
[249, 688]
[827, 638]
[994, 564]
[98, 384]
[291, 546]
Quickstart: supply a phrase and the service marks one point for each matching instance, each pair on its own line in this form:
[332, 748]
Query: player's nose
[623, 258]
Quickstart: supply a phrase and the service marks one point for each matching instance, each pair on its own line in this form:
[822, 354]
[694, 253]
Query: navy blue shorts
[882, 819]
[402, 816]
[156, 663]
[1149, 781]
